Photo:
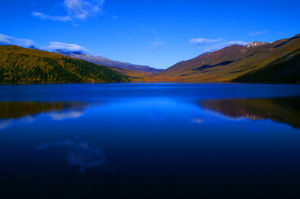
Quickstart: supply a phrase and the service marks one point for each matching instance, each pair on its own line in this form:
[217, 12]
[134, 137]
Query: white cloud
[82, 9]
[199, 41]
[52, 18]
[155, 45]
[224, 44]
[64, 46]
[9, 40]
[76, 9]
[257, 33]
[214, 44]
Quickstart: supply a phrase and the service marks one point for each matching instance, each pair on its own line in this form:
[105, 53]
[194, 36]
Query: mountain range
[257, 62]
[276, 62]
[107, 62]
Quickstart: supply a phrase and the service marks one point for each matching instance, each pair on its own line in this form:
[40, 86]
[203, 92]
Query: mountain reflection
[13, 110]
[284, 110]
[26, 112]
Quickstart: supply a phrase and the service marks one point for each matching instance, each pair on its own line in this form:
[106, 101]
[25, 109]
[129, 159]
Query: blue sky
[158, 33]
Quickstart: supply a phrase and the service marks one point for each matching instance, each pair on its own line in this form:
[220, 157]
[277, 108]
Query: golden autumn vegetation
[23, 65]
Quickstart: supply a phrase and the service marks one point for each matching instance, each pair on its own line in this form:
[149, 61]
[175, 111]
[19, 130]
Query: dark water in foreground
[150, 141]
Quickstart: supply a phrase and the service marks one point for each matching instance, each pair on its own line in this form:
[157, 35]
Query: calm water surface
[150, 141]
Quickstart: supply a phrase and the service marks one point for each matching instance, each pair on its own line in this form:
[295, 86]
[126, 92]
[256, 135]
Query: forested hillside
[22, 65]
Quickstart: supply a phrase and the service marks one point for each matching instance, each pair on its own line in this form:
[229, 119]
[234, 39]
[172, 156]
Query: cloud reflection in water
[5, 123]
[80, 154]
[12, 113]
[66, 115]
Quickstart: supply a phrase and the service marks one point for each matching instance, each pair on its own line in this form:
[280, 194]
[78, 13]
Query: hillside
[133, 71]
[270, 62]
[108, 62]
[283, 70]
[23, 65]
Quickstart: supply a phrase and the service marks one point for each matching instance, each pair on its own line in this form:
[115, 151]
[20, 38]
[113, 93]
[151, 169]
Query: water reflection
[25, 112]
[68, 115]
[79, 154]
[5, 123]
[283, 110]
[197, 120]
[23, 109]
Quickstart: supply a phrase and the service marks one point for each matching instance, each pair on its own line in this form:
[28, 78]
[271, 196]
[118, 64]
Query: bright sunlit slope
[22, 65]
[269, 63]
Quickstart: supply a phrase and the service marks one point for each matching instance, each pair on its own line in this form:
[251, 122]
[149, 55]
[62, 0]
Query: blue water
[149, 141]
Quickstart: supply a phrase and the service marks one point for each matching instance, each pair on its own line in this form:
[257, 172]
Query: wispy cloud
[155, 45]
[224, 44]
[81, 9]
[76, 9]
[257, 33]
[200, 41]
[214, 44]
[52, 18]
[64, 46]
[55, 45]
[282, 33]
[9, 40]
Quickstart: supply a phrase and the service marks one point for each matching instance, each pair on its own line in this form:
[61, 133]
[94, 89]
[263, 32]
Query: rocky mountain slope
[255, 44]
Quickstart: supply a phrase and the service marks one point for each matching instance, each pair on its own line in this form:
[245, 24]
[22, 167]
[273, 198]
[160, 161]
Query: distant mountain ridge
[108, 62]
[276, 62]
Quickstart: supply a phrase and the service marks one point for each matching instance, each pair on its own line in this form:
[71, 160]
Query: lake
[150, 141]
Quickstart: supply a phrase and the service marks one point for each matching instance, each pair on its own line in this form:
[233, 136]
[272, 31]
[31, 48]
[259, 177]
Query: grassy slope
[22, 65]
[188, 67]
[283, 70]
[243, 60]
